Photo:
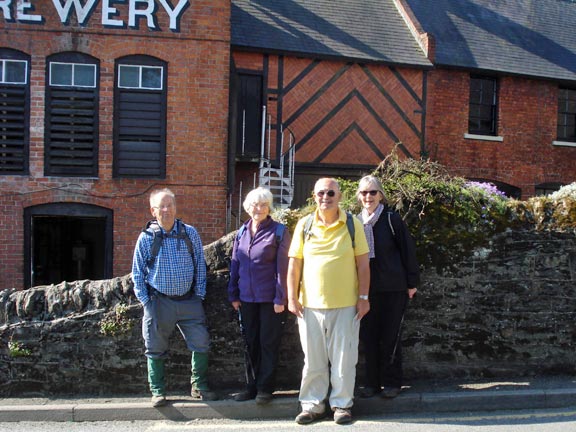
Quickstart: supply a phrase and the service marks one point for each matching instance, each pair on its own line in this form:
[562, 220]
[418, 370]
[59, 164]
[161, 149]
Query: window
[567, 115]
[71, 141]
[543, 189]
[140, 77]
[73, 75]
[14, 112]
[483, 106]
[140, 118]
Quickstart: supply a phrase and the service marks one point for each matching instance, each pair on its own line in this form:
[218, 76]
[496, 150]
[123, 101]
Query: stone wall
[505, 311]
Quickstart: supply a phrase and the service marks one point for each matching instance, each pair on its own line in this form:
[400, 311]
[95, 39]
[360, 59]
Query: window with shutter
[140, 118]
[71, 142]
[14, 112]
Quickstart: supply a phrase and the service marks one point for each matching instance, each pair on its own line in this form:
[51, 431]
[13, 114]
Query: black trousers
[263, 329]
[380, 333]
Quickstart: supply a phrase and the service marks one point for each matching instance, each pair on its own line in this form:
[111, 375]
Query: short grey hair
[371, 182]
[258, 195]
[159, 191]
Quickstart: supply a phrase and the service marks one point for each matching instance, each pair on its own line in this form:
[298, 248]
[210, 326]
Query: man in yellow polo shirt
[328, 282]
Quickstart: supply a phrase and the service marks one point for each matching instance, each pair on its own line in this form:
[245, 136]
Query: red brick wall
[198, 58]
[339, 96]
[527, 120]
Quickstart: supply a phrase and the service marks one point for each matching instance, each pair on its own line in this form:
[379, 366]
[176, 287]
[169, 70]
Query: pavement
[419, 397]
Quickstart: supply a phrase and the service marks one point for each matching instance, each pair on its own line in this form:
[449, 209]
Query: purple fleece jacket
[259, 265]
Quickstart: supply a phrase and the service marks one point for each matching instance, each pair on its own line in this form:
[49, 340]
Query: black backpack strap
[182, 234]
[349, 224]
[307, 227]
[153, 229]
[390, 223]
[351, 228]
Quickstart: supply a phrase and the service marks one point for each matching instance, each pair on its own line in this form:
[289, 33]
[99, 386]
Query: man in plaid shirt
[171, 287]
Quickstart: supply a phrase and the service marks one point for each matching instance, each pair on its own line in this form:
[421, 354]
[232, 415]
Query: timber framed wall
[346, 117]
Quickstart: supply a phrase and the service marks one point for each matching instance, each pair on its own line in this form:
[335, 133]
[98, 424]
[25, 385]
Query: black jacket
[395, 267]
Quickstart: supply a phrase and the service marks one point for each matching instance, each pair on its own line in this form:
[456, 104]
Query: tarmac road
[551, 420]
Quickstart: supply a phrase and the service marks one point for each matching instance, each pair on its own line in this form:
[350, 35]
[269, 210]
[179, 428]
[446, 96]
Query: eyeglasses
[259, 205]
[371, 192]
[321, 193]
[164, 207]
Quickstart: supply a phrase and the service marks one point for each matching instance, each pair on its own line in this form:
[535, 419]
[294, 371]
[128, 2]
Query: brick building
[100, 105]
[102, 101]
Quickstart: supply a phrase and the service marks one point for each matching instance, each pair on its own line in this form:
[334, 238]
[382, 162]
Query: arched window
[71, 133]
[140, 99]
[14, 111]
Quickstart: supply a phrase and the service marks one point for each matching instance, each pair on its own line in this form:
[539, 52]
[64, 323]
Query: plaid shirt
[172, 273]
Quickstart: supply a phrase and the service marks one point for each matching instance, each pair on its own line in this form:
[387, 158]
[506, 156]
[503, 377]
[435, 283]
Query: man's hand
[236, 304]
[362, 308]
[278, 308]
[412, 292]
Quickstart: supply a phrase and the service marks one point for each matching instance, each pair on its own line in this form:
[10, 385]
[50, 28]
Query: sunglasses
[371, 192]
[321, 193]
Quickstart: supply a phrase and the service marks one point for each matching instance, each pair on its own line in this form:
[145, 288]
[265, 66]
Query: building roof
[360, 30]
[527, 37]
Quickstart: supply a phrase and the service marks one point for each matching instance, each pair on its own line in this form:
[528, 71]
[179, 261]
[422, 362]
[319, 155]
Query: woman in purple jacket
[257, 290]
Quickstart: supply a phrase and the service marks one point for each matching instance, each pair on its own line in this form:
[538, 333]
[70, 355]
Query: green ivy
[118, 322]
[16, 349]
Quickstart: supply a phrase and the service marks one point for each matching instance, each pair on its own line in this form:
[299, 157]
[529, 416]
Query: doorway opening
[67, 242]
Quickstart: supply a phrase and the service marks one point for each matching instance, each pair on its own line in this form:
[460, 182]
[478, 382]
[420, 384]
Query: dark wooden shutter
[140, 149]
[72, 132]
[13, 129]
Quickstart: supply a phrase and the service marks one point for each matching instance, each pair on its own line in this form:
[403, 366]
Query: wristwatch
[363, 297]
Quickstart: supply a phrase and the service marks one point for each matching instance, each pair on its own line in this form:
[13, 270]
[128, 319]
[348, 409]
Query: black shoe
[390, 392]
[263, 398]
[368, 392]
[245, 395]
[205, 395]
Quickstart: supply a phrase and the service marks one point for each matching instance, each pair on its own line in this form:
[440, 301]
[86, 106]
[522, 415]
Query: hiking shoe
[307, 417]
[263, 398]
[158, 400]
[245, 395]
[342, 415]
[368, 392]
[390, 392]
[205, 395]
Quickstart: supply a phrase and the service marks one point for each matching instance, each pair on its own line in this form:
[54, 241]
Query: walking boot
[156, 381]
[199, 380]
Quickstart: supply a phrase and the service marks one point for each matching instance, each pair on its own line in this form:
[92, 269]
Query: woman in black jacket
[394, 275]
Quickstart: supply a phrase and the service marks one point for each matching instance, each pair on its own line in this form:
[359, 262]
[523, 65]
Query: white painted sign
[138, 11]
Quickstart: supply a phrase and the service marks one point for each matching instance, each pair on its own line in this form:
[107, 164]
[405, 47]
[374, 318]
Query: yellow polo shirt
[329, 278]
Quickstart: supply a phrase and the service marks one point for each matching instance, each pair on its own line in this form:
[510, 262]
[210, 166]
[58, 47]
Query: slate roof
[527, 37]
[360, 30]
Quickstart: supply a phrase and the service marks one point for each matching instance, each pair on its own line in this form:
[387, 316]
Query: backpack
[349, 225]
[152, 228]
[280, 228]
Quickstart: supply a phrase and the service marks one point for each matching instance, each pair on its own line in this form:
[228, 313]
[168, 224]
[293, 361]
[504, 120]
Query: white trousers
[329, 339]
